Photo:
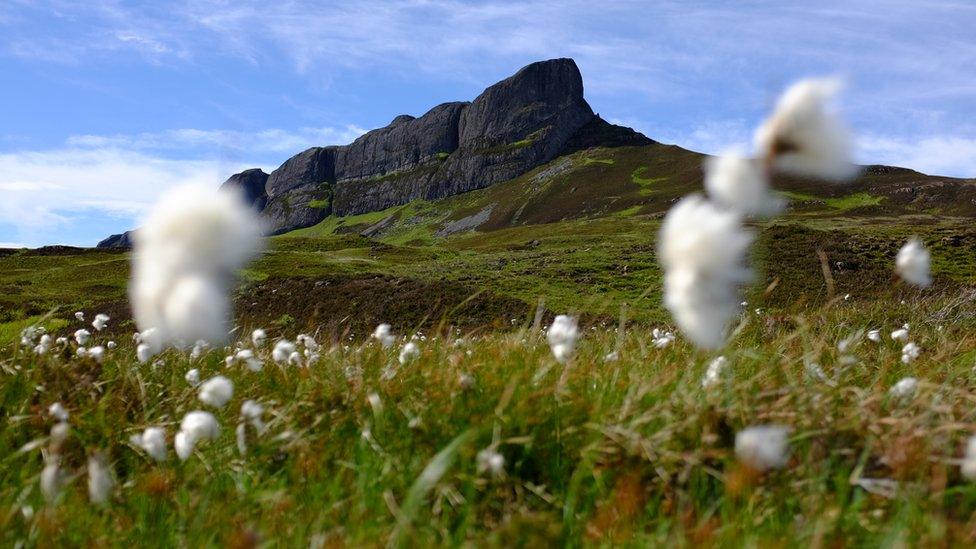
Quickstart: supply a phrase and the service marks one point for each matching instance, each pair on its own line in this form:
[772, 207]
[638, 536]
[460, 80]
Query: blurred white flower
[912, 263]
[59, 433]
[713, 374]
[562, 336]
[968, 465]
[661, 339]
[466, 381]
[308, 342]
[192, 377]
[184, 257]
[874, 335]
[143, 353]
[703, 251]
[110, 345]
[763, 447]
[409, 353]
[910, 352]
[283, 349]
[740, 184]
[196, 426]
[252, 412]
[905, 388]
[152, 441]
[805, 136]
[295, 359]
[100, 481]
[901, 334]
[384, 335]
[259, 338]
[97, 354]
[612, 356]
[58, 412]
[216, 391]
[80, 316]
[815, 372]
[51, 479]
[246, 356]
[491, 461]
[82, 336]
[101, 320]
[43, 345]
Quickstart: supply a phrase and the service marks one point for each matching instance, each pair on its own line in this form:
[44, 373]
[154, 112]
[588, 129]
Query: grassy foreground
[360, 450]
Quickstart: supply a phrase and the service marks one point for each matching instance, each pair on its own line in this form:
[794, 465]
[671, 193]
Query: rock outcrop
[122, 240]
[250, 183]
[513, 126]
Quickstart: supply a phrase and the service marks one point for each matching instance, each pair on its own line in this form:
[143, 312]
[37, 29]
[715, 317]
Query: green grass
[633, 451]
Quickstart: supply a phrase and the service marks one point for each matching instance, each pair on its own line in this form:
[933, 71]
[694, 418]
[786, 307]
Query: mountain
[513, 126]
[534, 137]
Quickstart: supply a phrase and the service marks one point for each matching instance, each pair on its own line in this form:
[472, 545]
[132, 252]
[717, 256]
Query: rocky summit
[512, 127]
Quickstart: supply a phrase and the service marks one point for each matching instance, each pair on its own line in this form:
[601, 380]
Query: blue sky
[104, 104]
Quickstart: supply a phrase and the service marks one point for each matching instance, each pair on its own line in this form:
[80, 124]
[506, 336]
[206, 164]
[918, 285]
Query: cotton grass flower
[192, 377]
[259, 337]
[216, 391]
[874, 335]
[661, 339]
[246, 356]
[409, 353]
[740, 184]
[901, 334]
[152, 441]
[184, 259]
[491, 462]
[196, 426]
[904, 389]
[763, 447]
[100, 480]
[143, 353]
[912, 264]
[384, 335]
[82, 336]
[562, 337]
[910, 352]
[51, 478]
[805, 136]
[100, 322]
[713, 374]
[58, 412]
[283, 349]
[80, 316]
[702, 248]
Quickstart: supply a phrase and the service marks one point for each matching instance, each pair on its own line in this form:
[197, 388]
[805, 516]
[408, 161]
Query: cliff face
[513, 126]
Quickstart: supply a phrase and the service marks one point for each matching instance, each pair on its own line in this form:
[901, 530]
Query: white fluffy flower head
[562, 336]
[763, 447]
[196, 426]
[185, 257]
[702, 248]
[912, 263]
[805, 135]
[152, 441]
[216, 391]
[384, 334]
[740, 184]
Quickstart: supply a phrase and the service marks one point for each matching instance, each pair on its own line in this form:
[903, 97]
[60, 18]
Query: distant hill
[536, 145]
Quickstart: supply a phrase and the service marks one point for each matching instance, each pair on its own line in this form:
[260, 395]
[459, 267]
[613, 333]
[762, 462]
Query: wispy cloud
[937, 155]
[50, 194]
[255, 143]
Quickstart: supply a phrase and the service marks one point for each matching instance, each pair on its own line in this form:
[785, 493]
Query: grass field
[360, 450]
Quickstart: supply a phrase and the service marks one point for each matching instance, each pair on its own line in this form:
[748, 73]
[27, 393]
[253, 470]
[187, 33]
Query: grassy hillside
[361, 450]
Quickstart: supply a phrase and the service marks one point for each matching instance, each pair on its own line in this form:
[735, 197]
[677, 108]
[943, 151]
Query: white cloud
[937, 155]
[253, 143]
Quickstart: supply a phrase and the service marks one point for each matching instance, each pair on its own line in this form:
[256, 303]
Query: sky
[105, 104]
